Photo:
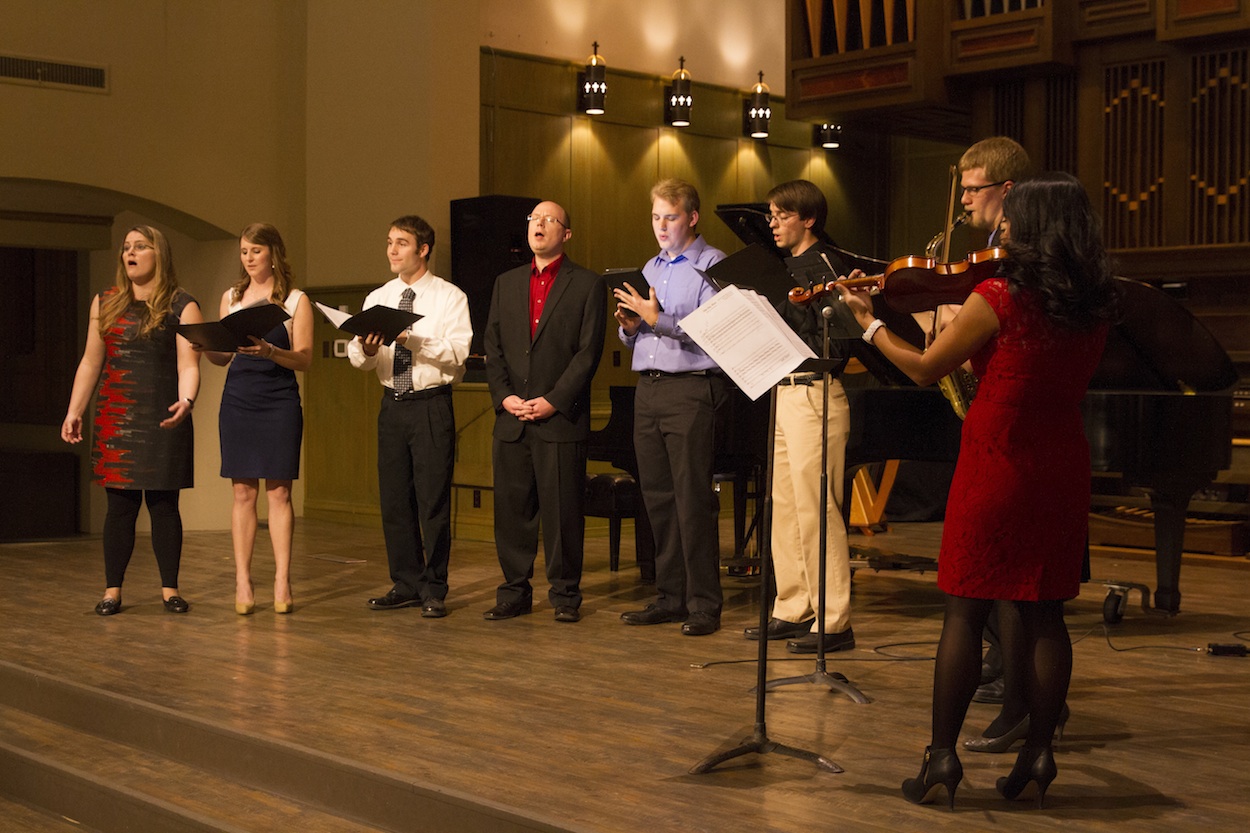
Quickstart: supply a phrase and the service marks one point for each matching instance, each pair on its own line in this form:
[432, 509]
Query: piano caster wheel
[1113, 608]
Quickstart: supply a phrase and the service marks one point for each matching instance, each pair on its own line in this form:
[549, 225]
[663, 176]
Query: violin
[914, 284]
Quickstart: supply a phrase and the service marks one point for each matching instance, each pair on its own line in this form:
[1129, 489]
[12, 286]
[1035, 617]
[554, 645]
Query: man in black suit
[543, 340]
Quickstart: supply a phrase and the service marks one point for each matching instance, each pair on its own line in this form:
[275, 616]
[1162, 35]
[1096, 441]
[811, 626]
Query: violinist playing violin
[797, 212]
[1017, 516]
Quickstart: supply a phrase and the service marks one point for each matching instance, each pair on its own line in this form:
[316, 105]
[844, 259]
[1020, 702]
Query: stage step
[108, 786]
[109, 761]
[16, 817]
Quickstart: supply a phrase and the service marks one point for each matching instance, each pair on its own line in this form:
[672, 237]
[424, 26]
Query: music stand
[769, 277]
[820, 676]
[758, 742]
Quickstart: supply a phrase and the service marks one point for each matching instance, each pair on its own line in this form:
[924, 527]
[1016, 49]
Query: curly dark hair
[1055, 250]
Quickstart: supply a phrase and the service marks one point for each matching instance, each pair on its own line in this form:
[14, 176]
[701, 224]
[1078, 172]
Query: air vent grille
[53, 73]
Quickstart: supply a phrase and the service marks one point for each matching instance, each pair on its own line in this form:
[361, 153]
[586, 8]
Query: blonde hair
[1001, 158]
[677, 192]
[264, 234]
[159, 303]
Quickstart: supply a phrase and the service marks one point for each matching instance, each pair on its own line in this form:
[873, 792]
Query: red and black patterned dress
[1018, 511]
[138, 384]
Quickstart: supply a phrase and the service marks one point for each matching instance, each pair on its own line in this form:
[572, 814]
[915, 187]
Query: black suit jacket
[561, 359]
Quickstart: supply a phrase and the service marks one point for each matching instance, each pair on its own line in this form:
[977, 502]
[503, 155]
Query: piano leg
[1170, 500]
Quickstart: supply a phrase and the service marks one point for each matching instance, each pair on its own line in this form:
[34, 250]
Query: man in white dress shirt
[416, 426]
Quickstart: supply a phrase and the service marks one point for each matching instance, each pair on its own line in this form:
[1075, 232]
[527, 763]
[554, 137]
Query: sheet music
[335, 316]
[747, 338]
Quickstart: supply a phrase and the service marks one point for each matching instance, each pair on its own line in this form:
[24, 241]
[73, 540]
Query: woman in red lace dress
[1019, 501]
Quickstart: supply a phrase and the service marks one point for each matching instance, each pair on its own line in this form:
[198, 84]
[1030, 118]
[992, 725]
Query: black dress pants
[538, 481]
[675, 419]
[416, 456]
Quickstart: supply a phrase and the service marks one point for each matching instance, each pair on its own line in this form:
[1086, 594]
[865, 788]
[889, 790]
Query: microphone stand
[758, 741]
[821, 677]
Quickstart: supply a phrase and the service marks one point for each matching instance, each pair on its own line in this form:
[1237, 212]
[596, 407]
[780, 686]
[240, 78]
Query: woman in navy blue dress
[146, 379]
[261, 422]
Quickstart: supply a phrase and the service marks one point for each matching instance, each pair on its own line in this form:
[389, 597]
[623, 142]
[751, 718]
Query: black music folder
[231, 332]
[388, 321]
[754, 268]
[617, 278]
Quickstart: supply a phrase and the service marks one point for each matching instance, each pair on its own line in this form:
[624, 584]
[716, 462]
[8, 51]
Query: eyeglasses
[544, 220]
[973, 190]
[782, 217]
[137, 247]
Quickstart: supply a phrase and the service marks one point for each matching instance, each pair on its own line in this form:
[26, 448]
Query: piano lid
[1158, 345]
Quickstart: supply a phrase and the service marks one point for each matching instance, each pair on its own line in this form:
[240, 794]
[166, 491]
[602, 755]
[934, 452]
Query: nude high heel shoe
[244, 608]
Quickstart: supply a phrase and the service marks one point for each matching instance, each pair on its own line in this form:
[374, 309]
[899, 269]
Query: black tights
[1036, 651]
[119, 533]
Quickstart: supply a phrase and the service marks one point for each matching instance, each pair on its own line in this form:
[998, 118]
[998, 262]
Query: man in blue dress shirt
[680, 394]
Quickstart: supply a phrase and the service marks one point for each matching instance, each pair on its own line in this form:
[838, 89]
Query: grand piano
[1159, 414]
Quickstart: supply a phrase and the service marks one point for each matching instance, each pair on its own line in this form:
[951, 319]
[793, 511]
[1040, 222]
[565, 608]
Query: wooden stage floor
[527, 724]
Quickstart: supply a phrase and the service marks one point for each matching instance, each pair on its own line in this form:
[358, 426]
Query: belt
[424, 393]
[656, 374]
[800, 379]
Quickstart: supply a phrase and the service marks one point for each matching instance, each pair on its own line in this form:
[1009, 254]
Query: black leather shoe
[393, 601]
[780, 629]
[177, 604]
[568, 614]
[508, 610]
[651, 615]
[991, 692]
[433, 609]
[701, 624]
[108, 607]
[843, 641]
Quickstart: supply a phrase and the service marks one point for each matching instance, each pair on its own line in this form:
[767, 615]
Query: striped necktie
[401, 374]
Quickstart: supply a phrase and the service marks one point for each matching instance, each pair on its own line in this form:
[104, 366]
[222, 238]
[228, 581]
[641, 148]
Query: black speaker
[488, 237]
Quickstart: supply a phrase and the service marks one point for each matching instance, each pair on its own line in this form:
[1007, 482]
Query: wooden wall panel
[1133, 128]
[532, 154]
[1219, 170]
[341, 453]
[622, 164]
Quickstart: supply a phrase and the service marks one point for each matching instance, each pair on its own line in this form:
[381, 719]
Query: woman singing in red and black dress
[148, 376]
[1017, 514]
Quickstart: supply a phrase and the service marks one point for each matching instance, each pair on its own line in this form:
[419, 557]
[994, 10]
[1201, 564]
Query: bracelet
[871, 330]
[190, 402]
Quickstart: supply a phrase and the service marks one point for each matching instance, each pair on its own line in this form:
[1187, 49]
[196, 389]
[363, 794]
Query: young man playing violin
[797, 213]
[987, 171]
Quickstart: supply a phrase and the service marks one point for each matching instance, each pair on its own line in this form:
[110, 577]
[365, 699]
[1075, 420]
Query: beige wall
[326, 118]
[724, 42]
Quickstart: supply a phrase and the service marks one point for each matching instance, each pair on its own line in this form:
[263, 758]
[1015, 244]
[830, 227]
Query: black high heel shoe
[941, 768]
[1034, 765]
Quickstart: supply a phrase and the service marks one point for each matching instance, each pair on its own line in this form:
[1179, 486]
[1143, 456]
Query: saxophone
[959, 387]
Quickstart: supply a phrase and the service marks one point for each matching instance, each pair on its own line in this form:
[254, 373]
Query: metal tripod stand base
[759, 743]
[821, 677]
